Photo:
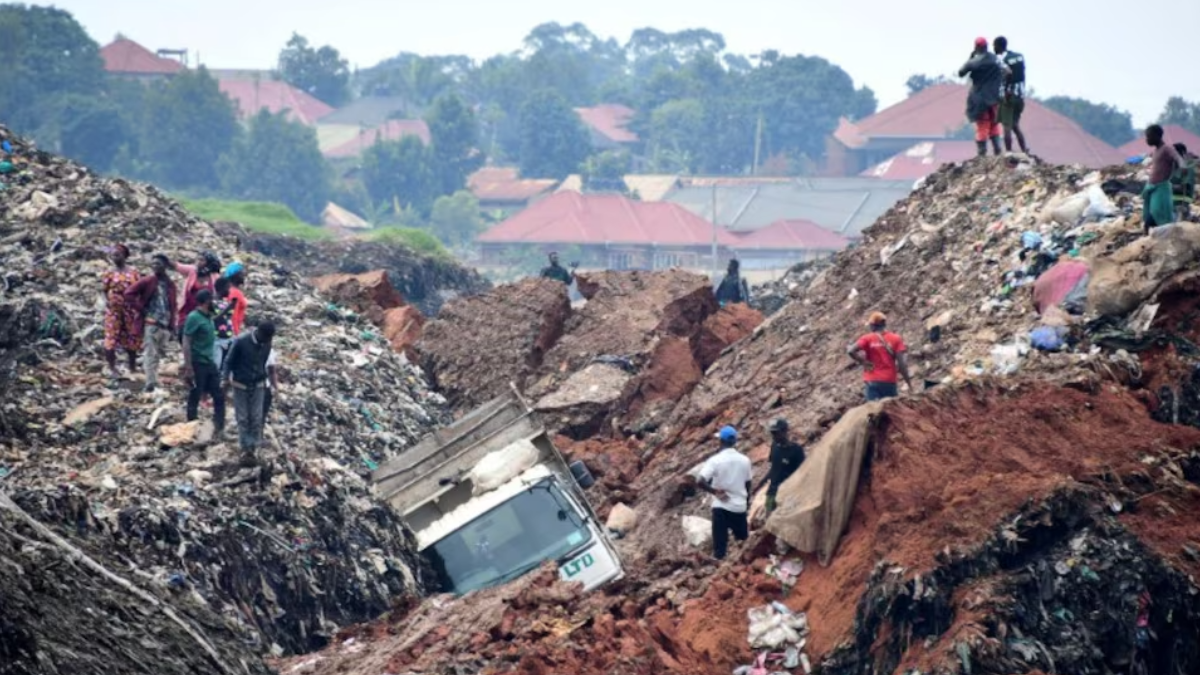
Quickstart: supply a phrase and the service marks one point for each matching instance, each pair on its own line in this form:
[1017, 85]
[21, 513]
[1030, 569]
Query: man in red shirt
[883, 356]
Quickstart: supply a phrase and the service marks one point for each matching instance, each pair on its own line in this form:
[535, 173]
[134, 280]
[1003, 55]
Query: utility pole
[714, 230]
[758, 129]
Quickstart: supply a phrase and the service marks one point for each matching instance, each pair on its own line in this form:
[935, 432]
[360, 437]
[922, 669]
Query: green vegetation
[262, 217]
[418, 240]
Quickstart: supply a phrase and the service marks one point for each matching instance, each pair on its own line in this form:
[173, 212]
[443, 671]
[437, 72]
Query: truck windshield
[509, 541]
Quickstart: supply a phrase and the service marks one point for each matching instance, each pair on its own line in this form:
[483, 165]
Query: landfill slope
[59, 616]
[287, 552]
[427, 282]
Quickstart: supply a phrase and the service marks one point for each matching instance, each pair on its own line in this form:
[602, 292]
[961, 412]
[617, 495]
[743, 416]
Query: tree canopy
[398, 174]
[455, 143]
[322, 72]
[188, 125]
[277, 160]
[553, 140]
[1183, 113]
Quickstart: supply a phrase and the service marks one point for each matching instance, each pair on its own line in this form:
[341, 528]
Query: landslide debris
[287, 553]
[426, 282]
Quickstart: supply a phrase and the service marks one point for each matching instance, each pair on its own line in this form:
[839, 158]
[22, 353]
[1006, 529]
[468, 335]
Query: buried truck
[491, 499]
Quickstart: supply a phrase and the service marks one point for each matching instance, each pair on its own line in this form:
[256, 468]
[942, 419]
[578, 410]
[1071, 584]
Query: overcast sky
[1105, 50]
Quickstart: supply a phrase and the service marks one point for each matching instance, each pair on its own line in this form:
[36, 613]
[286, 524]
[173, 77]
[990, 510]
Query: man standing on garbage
[726, 476]
[200, 372]
[987, 74]
[786, 457]
[883, 356]
[557, 271]
[733, 288]
[1158, 207]
[246, 371]
[154, 299]
[1013, 103]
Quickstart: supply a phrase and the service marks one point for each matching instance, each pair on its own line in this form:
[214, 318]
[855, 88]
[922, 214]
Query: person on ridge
[1158, 207]
[733, 288]
[987, 74]
[154, 300]
[200, 372]
[236, 273]
[1183, 183]
[120, 316]
[726, 476]
[246, 370]
[1013, 103]
[786, 457]
[557, 271]
[197, 277]
[883, 356]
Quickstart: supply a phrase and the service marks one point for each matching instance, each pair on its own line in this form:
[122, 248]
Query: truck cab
[491, 499]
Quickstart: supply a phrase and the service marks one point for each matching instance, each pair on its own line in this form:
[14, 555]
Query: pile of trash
[770, 297]
[287, 552]
[427, 282]
[66, 612]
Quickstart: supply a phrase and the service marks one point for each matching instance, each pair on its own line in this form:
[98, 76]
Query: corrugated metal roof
[504, 184]
[1173, 133]
[792, 235]
[572, 218]
[336, 216]
[392, 130]
[368, 111]
[846, 206]
[922, 159]
[649, 187]
[126, 56]
[274, 96]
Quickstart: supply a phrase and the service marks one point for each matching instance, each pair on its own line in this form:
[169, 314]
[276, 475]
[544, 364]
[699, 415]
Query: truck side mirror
[581, 474]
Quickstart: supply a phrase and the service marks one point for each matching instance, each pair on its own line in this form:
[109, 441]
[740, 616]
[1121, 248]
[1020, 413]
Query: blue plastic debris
[1031, 240]
[1048, 338]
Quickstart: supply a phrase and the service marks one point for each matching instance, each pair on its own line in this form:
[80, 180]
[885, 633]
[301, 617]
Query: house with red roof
[612, 231]
[125, 58]
[357, 141]
[502, 188]
[921, 160]
[250, 95]
[938, 113]
[608, 125]
[1172, 133]
[784, 243]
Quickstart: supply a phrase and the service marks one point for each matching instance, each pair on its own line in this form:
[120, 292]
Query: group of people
[207, 316]
[997, 98]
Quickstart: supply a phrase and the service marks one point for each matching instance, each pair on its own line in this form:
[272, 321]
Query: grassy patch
[418, 240]
[262, 217]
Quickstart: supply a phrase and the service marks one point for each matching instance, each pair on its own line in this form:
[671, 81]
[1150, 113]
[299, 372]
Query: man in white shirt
[726, 476]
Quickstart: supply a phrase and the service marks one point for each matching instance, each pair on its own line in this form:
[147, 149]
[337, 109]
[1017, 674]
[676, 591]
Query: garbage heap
[426, 282]
[286, 553]
[619, 362]
[773, 295]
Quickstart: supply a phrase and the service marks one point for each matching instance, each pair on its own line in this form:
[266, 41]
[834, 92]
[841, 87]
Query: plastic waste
[1099, 205]
[501, 466]
[772, 629]
[698, 531]
[1048, 338]
[1031, 240]
[6, 166]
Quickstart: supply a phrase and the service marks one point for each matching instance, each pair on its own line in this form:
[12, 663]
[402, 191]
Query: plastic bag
[499, 467]
[697, 530]
[1099, 205]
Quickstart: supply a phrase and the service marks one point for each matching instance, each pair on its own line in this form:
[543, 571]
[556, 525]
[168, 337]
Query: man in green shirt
[200, 372]
[557, 271]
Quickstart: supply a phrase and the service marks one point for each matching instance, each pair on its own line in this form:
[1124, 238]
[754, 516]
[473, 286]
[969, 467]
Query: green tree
[455, 143]
[676, 136]
[605, 172]
[455, 219]
[323, 72]
[399, 173]
[46, 55]
[1101, 120]
[278, 160]
[91, 129]
[189, 124]
[1183, 113]
[920, 82]
[553, 141]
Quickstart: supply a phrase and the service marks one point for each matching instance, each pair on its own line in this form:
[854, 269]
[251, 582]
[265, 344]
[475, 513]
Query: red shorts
[988, 126]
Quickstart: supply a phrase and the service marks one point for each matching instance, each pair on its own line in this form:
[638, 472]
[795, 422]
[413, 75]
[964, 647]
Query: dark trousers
[207, 381]
[248, 406]
[266, 403]
[877, 391]
[722, 522]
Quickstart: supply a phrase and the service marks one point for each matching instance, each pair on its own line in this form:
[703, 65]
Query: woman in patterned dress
[120, 320]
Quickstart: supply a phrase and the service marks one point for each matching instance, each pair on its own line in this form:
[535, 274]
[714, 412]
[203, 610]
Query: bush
[261, 217]
[418, 240]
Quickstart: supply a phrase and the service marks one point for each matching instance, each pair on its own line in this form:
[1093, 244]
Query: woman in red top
[198, 277]
[120, 319]
[882, 355]
[236, 273]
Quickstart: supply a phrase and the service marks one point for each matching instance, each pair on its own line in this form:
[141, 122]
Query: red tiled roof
[921, 160]
[126, 56]
[609, 120]
[275, 96]
[391, 130]
[504, 184]
[939, 112]
[574, 218]
[1173, 133]
[799, 235]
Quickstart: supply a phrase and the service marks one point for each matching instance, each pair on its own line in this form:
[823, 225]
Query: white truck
[491, 499]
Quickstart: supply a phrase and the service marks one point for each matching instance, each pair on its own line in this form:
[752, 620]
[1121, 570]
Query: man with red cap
[883, 356]
[987, 88]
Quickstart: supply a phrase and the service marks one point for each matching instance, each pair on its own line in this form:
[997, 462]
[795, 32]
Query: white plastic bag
[697, 530]
[499, 467]
[1099, 205]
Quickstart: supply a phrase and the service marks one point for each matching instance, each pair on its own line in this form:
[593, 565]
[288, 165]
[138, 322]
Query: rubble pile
[373, 295]
[63, 615]
[770, 297]
[427, 282]
[286, 552]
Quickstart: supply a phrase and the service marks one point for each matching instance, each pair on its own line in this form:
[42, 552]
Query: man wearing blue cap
[726, 476]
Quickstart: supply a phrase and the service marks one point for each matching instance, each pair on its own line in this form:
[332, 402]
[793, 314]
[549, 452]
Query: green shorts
[1010, 111]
